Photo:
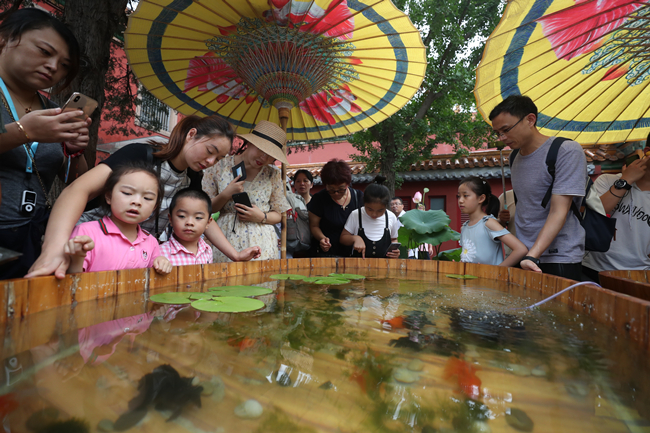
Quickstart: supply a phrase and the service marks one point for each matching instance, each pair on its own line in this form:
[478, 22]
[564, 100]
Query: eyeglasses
[336, 191]
[498, 134]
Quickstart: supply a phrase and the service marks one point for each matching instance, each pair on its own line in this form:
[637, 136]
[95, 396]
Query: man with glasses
[553, 235]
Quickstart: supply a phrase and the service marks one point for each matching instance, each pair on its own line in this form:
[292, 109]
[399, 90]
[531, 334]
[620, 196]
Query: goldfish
[465, 374]
[395, 323]
[247, 343]
[8, 404]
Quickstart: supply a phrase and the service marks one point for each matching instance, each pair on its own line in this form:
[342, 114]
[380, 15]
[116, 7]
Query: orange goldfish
[395, 323]
[8, 404]
[465, 373]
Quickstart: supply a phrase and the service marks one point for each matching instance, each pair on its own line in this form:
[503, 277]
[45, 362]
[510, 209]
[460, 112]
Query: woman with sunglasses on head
[39, 142]
[330, 208]
[250, 226]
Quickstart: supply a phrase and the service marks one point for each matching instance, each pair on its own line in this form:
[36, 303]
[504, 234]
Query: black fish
[166, 390]
[488, 327]
[435, 343]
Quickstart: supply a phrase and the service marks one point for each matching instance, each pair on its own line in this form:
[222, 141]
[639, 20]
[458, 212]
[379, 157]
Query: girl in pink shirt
[132, 192]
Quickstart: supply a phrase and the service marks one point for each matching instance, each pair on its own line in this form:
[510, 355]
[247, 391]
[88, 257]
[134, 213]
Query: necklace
[345, 197]
[28, 108]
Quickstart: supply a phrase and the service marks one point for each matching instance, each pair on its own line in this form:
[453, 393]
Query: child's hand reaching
[359, 246]
[162, 265]
[76, 249]
[249, 253]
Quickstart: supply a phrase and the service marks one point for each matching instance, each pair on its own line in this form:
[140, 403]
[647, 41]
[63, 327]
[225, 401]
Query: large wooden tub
[629, 282]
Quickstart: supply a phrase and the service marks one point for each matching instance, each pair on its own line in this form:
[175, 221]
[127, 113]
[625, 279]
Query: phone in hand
[77, 101]
[239, 170]
[637, 154]
[394, 246]
[242, 198]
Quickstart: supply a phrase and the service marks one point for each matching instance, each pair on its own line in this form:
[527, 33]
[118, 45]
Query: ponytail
[377, 193]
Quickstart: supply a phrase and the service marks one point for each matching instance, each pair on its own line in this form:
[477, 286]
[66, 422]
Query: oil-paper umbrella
[585, 64]
[320, 68]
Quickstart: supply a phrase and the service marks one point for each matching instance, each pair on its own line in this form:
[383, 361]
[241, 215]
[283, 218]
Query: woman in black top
[330, 208]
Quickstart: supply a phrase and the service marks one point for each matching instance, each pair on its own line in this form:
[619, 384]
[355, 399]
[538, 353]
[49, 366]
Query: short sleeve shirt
[333, 218]
[373, 228]
[480, 244]
[631, 244]
[531, 180]
[113, 251]
[178, 255]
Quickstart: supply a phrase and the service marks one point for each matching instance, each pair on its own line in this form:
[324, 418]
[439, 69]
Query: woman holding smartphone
[244, 225]
[195, 144]
[37, 141]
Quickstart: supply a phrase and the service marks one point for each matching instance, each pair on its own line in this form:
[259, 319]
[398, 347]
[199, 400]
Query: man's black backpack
[599, 229]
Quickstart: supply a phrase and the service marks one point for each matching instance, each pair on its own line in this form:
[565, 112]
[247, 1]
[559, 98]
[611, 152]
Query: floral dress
[265, 191]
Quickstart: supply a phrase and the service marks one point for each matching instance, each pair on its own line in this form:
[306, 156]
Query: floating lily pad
[241, 291]
[228, 304]
[331, 280]
[311, 279]
[287, 277]
[197, 295]
[461, 277]
[172, 298]
[348, 276]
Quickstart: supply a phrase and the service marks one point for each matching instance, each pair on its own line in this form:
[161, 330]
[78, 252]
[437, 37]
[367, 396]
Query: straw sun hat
[269, 138]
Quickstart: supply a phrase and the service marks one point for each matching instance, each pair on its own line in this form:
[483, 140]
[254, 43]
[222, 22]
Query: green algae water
[398, 352]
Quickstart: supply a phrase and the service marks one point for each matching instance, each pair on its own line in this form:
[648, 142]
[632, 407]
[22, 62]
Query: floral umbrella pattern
[209, 72]
[336, 66]
[582, 61]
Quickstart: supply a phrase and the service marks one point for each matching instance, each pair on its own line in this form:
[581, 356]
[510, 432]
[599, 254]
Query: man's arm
[560, 207]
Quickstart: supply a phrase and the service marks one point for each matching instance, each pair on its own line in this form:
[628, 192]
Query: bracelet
[532, 259]
[610, 191]
[74, 155]
[23, 130]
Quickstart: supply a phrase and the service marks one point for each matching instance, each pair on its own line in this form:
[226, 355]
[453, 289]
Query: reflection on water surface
[392, 353]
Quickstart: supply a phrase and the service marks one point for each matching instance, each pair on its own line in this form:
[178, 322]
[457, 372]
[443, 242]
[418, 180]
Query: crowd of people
[117, 214]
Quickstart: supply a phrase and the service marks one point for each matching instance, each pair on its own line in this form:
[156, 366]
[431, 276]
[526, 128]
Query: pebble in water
[480, 427]
[577, 389]
[405, 376]
[327, 385]
[538, 371]
[219, 389]
[428, 429]
[105, 425]
[518, 420]
[415, 365]
[249, 409]
[519, 370]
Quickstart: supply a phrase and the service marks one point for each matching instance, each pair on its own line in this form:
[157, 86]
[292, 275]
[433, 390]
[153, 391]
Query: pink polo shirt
[113, 251]
[178, 255]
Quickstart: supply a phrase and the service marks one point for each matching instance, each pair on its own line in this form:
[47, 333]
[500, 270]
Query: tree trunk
[94, 23]
[387, 164]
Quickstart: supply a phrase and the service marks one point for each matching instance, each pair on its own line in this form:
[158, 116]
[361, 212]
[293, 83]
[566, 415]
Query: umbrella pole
[284, 119]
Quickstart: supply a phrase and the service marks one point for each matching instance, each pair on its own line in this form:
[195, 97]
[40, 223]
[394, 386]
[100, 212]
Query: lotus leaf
[331, 280]
[311, 279]
[195, 296]
[430, 221]
[287, 277]
[174, 298]
[228, 304]
[461, 277]
[242, 291]
[347, 276]
[450, 255]
[436, 238]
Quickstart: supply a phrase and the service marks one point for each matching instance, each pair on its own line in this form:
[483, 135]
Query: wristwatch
[264, 220]
[532, 259]
[622, 184]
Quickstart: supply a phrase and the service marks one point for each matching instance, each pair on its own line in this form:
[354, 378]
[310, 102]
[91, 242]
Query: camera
[28, 204]
[77, 98]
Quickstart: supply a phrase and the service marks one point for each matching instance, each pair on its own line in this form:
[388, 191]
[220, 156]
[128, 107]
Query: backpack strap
[551, 158]
[511, 160]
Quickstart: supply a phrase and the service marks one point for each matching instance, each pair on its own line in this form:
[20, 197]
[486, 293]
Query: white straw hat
[269, 138]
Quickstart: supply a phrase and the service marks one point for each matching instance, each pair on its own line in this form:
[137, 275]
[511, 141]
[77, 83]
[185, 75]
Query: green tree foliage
[453, 32]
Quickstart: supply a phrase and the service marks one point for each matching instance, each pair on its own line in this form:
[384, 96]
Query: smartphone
[239, 170]
[77, 101]
[394, 246]
[242, 198]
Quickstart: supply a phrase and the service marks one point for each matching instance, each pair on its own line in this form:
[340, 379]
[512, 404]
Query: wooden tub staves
[623, 308]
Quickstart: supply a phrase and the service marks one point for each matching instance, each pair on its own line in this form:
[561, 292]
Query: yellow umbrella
[332, 67]
[585, 64]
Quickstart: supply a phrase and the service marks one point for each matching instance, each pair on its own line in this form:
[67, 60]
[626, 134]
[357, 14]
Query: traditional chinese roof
[484, 163]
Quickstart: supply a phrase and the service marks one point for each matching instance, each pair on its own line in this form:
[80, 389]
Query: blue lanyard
[34, 145]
